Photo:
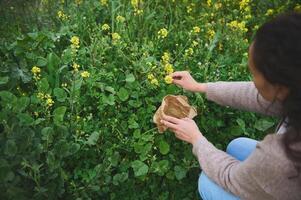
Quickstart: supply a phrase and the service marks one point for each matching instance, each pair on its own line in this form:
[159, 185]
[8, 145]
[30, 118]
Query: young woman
[265, 170]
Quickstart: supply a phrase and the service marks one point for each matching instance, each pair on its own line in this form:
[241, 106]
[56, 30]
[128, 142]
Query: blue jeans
[239, 148]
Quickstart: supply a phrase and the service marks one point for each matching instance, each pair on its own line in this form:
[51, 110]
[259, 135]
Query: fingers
[171, 119]
[179, 75]
[169, 124]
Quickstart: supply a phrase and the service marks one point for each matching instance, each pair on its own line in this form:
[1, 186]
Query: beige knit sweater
[264, 175]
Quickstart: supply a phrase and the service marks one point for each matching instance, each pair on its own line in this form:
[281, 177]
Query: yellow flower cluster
[269, 12]
[168, 68]
[211, 34]
[104, 2]
[75, 67]
[194, 43]
[165, 58]
[209, 3]
[168, 79]
[120, 19]
[217, 6]
[136, 4]
[36, 72]
[74, 43]
[85, 74]
[78, 2]
[61, 15]
[47, 98]
[238, 25]
[244, 5]
[190, 8]
[189, 52]
[152, 79]
[196, 29]
[162, 33]
[105, 27]
[115, 37]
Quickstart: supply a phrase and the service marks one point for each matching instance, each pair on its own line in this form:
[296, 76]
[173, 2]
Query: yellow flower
[62, 15]
[189, 52]
[78, 2]
[35, 70]
[209, 3]
[49, 102]
[105, 27]
[135, 3]
[150, 76]
[211, 34]
[104, 2]
[217, 6]
[166, 57]
[269, 12]
[75, 67]
[196, 29]
[74, 42]
[155, 82]
[85, 74]
[162, 33]
[168, 79]
[115, 37]
[238, 25]
[168, 68]
[243, 4]
[194, 43]
[119, 18]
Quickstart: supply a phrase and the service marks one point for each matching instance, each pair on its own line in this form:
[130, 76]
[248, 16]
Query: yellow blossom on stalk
[209, 3]
[85, 74]
[36, 72]
[194, 43]
[243, 4]
[269, 12]
[168, 79]
[115, 37]
[189, 52]
[150, 76]
[120, 19]
[135, 4]
[75, 67]
[49, 102]
[155, 82]
[166, 57]
[162, 33]
[105, 27]
[238, 25]
[196, 29]
[210, 34]
[78, 2]
[40, 95]
[61, 15]
[190, 8]
[168, 68]
[104, 2]
[217, 6]
[74, 42]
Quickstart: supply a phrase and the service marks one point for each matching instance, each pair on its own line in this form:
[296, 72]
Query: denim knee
[241, 147]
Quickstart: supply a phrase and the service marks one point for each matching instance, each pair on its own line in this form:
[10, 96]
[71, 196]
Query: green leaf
[120, 178]
[110, 89]
[263, 125]
[58, 114]
[160, 167]
[180, 172]
[93, 138]
[130, 78]
[60, 94]
[47, 134]
[10, 148]
[74, 148]
[42, 61]
[3, 80]
[123, 94]
[25, 119]
[163, 147]
[140, 168]
[61, 148]
[110, 100]
[22, 104]
[43, 85]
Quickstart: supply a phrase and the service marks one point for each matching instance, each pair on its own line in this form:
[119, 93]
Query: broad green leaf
[123, 94]
[130, 78]
[139, 167]
[263, 125]
[10, 148]
[58, 114]
[3, 80]
[60, 94]
[110, 89]
[163, 147]
[47, 134]
[25, 119]
[61, 148]
[120, 178]
[22, 104]
[43, 85]
[93, 138]
[74, 148]
[180, 172]
[42, 61]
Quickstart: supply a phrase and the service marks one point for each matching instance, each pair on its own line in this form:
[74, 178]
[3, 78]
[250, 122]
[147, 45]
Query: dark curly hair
[277, 55]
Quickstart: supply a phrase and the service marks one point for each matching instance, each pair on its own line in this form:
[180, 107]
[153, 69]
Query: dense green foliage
[78, 96]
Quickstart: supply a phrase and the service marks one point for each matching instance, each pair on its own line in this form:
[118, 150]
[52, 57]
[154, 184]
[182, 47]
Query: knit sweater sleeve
[244, 179]
[241, 95]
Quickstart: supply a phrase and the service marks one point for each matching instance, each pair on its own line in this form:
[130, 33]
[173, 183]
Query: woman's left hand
[185, 129]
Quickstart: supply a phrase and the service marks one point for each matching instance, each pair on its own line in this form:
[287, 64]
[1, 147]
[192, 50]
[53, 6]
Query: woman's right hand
[187, 82]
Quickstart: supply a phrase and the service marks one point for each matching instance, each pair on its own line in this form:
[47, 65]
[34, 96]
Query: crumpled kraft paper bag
[175, 106]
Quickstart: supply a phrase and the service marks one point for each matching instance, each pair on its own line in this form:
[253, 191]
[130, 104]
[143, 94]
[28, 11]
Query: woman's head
[275, 63]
